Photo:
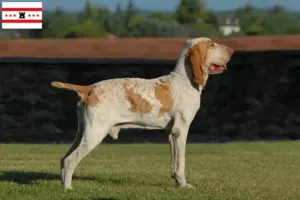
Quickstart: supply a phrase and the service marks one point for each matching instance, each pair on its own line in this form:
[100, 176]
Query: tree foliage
[190, 19]
[190, 11]
[274, 22]
[280, 23]
[86, 29]
[251, 20]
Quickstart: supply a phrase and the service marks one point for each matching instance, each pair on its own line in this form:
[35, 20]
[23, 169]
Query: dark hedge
[258, 98]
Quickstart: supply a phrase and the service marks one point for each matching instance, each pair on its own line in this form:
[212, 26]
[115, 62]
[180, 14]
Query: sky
[166, 5]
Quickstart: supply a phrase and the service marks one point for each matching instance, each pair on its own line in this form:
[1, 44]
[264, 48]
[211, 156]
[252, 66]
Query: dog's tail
[82, 90]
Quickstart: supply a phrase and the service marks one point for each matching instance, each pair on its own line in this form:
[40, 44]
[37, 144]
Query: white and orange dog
[168, 102]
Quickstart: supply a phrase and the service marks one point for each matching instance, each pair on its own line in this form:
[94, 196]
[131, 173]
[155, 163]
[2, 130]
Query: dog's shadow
[30, 178]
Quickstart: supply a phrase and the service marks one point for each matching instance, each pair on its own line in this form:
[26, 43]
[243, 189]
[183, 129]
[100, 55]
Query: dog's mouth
[214, 68]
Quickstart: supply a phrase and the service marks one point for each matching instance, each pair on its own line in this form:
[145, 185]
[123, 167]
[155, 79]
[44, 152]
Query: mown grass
[260, 170]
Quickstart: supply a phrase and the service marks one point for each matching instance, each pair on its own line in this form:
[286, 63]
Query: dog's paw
[187, 185]
[67, 188]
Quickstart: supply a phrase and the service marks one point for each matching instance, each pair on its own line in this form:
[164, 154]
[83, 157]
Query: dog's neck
[184, 71]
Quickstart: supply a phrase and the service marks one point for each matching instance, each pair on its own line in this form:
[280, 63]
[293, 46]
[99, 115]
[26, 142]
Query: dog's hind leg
[76, 142]
[93, 132]
[173, 151]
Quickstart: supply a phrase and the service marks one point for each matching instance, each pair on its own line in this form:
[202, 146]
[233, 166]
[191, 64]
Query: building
[230, 26]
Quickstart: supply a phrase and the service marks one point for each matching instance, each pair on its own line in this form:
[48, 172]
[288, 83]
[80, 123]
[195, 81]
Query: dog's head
[207, 57]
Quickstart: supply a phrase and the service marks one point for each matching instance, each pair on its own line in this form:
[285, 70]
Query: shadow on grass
[30, 178]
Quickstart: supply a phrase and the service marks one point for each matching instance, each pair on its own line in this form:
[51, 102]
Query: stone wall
[258, 98]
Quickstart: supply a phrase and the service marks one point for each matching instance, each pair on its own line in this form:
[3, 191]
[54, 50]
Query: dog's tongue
[213, 67]
[217, 67]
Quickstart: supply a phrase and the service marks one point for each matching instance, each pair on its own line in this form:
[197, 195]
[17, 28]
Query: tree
[118, 22]
[103, 16]
[39, 33]
[150, 27]
[134, 26]
[162, 16]
[58, 11]
[279, 22]
[88, 11]
[197, 30]
[99, 17]
[86, 29]
[57, 25]
[212, 19]
[130, 12]
[132, 20]
[251, 20]
[190, 11]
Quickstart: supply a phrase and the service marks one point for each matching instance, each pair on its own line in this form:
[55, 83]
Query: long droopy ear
[197, 56]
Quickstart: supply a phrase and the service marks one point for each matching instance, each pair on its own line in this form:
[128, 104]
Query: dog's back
[142, 101]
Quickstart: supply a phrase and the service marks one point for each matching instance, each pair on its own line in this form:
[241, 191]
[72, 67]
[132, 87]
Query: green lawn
[260, 170]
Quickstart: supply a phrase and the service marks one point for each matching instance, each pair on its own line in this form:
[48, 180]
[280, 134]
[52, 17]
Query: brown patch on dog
[163, 94]
[137, 102]
[93, 96]
[197, 55]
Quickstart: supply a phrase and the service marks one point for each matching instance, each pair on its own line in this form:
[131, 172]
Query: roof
[150, 48]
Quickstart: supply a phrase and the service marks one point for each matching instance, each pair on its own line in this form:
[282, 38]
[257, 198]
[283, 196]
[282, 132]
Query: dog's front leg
[180, 136]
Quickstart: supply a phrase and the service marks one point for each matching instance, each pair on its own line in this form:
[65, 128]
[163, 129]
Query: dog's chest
[187, 102]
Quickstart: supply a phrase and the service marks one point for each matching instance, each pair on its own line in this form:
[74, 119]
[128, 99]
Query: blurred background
[168, 18]
[83, 42]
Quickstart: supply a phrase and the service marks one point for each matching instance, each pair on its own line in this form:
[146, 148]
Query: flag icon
[22, 15]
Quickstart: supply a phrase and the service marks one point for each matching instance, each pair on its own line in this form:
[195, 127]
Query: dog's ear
[196, 61]
[197, 56]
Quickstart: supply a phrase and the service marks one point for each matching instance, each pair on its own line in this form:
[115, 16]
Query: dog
[168, 102]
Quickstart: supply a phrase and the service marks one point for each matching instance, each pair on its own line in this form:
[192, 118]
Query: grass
[260, 170]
